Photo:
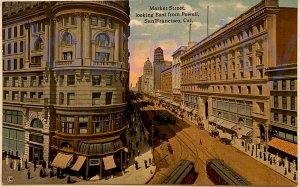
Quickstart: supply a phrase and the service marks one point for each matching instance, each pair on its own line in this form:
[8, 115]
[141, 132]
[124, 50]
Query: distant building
[224, 76]
[166, 86]
[147, 80]
[139, 84]
[158, 66]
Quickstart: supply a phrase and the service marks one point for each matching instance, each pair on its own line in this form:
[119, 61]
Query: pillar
[86, 37]
[57, 36]
[121, 159]
[117, 42]
[47, 42]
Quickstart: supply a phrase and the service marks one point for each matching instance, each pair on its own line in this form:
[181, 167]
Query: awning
[78, 164]
[227, 124]
[109, 162]
[225, 135]
[211, 118]
[61, 160]
[176, 104]
[285, 146]
[245, 131]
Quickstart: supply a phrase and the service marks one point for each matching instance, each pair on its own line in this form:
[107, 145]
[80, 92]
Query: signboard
[94, 162]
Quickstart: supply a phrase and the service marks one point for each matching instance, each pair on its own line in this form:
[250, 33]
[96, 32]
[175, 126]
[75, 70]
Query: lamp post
[152, 129]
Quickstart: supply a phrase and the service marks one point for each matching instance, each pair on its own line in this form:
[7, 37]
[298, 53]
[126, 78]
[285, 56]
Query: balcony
[64, 63]
[35, 100]
[107, 64]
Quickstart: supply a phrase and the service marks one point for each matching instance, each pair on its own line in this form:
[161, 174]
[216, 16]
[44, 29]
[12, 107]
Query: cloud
[240, 5]
[225, 21]
[135, 22]
[225, 5]
[188, 8]
[195, 26]
[215, 27]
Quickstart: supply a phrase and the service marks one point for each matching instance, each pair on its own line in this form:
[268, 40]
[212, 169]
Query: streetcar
[182, 173]
[221, 174]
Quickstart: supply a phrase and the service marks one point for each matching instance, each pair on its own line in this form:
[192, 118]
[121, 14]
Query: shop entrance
[35, 153]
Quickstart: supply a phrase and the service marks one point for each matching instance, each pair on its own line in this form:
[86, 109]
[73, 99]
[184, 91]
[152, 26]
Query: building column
[57, 36]
[87, 38]
[78, 46]
[117, 43]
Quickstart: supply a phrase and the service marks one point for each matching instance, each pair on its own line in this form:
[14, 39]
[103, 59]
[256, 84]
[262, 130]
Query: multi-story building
[158, 66]
[283, 103]
[226, 70]
[176, 77]
[147, 80]
[65, 82]
[166, 86]
[139, 84]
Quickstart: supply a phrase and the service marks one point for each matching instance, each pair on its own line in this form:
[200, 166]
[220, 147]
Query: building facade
[225, 71]
[67, 79]
[158, 66]
[283, 104]
[139, 84]
[166, 87]
[147, 80]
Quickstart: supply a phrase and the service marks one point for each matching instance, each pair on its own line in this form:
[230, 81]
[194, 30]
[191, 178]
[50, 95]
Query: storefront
[13, 140]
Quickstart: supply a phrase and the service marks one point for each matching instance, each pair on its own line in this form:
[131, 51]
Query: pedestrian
[150, 161]
[12, 154]
[8, 153]
[138, 152]
[34, 164]
[200, 142]
[57, 172]
[51, 172]
[26, 163]
[265, 156]
[19, 167]
[41, 172]
[17, 153]
[145, 161]
[295, 175]
[69, 179]
[136, 165]
[11, 164]
[5, 153]
[269, 157]
[123, 169]
[285, 171]
[15, 164]
[28, 174]
[271, 160]
[127, 162]
[7, 159]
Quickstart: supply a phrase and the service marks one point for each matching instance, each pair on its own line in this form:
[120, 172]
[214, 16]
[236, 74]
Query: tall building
[224, 75]
[176, 77]
[166, 86]
[139, 84]
[283, 103]
[65, 80]
[147, 80]
[158, 66]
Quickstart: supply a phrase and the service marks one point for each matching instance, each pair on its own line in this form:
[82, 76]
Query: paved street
[185, 141]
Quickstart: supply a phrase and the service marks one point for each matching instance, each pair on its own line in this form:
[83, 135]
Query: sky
[145, 37]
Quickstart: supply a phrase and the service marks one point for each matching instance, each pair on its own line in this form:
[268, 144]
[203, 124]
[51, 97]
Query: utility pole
[207, 20]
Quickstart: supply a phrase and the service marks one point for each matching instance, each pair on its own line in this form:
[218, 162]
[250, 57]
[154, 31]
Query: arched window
[102, 40]
[39, 44]
[67, 38]
[36, 123]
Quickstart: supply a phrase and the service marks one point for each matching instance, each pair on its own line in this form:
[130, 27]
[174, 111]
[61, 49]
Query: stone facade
[158, 66]
[147, 80]
[226, 70]
[65, 68]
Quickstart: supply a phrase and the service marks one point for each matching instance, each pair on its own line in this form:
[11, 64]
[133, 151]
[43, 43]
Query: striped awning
[227, 124]
[109, 162]
[79, 162]
[62, 160]
[284, 146]
[244, 131]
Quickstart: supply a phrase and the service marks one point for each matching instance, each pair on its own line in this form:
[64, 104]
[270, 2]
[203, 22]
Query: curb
[151, 176]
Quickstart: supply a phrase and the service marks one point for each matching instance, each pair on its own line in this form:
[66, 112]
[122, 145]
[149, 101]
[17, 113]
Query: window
[275, 85]
[15, 82]
[259, 90]
[293, 121]
[13, 116]
[21, 46]
[96, 80]
[83, 121]
[36, 138]
[9, 65]
[9, 33]
[275, 116]
[261, 73]
[231, 89]
[15, 47]
[284, 119]
[250, 61]
[71, 80]
[36, 123]
[292, 85]
[108, 80]
[61, 98]
[15, 64]
[284, 102]
[61, 79]
[3, 49]
[15, 32]
[70, 20]
[102, 22]
[100, 56]
[67, 56]
[6, 81]
[239, 88]
[9, 49]
[15, 95]
[39, 44]
[251, 74]
[70, 99]
[6, 95]
[102, 40]
[21, 30]
[3, 34]
[33, 81]
[21, 63]
[276, 101]
[293, 103]
[67, 38]
[96, 98]
[261, 107]
[67, 124]
[108, 98]
[94, 20]
[233, 76]
[284, 85]
[36, 60]
[242, 74]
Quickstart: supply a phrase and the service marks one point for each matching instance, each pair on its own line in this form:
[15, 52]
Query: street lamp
[152, 128]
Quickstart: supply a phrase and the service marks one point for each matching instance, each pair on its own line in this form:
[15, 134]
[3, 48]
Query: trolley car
[182, 173]
[221, 174]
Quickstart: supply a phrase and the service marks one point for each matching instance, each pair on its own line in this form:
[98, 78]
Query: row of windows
[96, 80]
[25, 81]
[100, 148]
[99, 56]
[9, 65]
[99, 124]
[233, 117]
[13, 116]
[95, 98]
[16, 30]
[236, 89]
[101, 39]
[15, 48]
[284, 85]
[15, 96]
[284, 119]
[13, 140]
[240, 107]
[284, 100]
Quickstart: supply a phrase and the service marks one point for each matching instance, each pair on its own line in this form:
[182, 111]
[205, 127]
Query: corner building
[227, 70]
[70, 81]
